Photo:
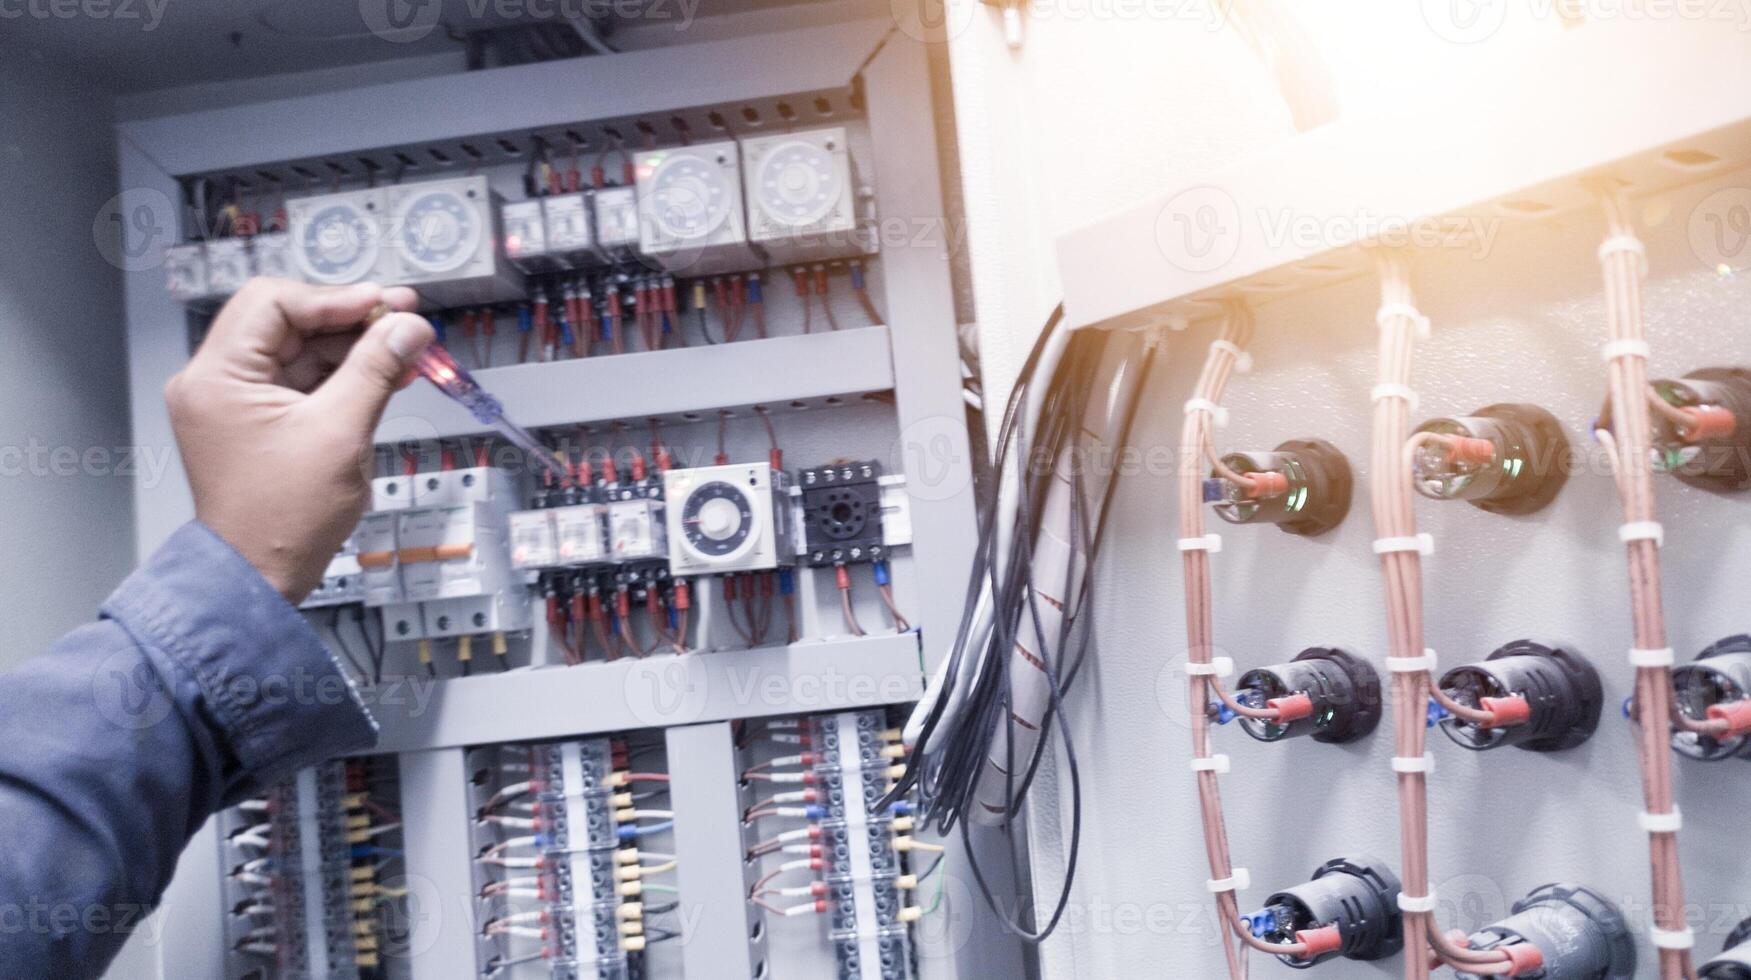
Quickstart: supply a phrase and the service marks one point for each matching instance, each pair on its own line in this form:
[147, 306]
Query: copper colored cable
[1631, 442]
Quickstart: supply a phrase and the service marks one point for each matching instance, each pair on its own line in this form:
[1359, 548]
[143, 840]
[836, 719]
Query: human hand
[274, 416]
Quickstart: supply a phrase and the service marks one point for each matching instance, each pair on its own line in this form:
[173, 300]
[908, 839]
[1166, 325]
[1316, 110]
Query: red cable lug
[1267, 484]
[623, 603]
[638, 468]
[821, 907]
[800, 277]
[1473, 452]
[1523, 959]
[683, 595]
[820, 280]
[817, 888]
[1292, 708]
[1319, 942]
[842, 577]
[776, 458]
[1736, 714]
[1707, 422]
[598, 177]
[1508, 711]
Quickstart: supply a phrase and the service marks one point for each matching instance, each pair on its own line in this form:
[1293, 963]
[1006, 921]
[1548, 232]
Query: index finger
[269, 320]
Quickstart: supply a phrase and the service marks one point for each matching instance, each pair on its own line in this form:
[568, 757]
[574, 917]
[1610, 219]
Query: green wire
[941, 881]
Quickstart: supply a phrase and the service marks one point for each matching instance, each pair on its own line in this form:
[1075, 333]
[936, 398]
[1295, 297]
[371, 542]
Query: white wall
[65, 513]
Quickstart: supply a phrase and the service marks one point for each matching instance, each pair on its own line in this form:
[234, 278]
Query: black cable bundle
[946, 776]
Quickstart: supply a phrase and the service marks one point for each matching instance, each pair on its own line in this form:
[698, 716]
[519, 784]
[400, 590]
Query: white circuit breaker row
[700, 209]
[434, 554]
[440, 236]
[697, 209]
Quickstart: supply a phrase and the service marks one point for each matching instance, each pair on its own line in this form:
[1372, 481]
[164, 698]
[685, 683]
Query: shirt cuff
[283, 700]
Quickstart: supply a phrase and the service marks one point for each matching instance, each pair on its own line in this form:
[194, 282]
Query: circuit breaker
[614, 215]
[690, 209]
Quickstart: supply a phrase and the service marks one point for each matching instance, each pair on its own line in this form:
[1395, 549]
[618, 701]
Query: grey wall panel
[64, 491]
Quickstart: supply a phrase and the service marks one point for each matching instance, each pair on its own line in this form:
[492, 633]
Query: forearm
[199, 684]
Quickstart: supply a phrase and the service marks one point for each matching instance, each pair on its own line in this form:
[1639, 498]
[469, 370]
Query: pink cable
[1631, 439]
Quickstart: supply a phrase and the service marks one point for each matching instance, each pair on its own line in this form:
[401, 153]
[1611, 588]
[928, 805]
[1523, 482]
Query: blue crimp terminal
[1221, 713]
[881, 573]
[1437, 714]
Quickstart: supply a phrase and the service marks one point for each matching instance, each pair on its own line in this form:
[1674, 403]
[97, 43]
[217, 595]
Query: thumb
[375, 369]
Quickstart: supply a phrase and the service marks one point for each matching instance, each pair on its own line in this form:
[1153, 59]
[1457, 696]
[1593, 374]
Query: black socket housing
[1547, 453]
[1344, 689]
[1720, 674]
[1358, 895]
[1313, 466]
[1734, 963]
[1723, 463]
[1561, 686]
[842, 513]
[1582, 936]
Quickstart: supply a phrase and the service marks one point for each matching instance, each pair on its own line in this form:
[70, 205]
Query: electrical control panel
[483, 613]
[690, 209]
[802, 195]
[339, 239]
[727, 519]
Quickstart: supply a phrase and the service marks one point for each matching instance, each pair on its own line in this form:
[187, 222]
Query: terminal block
[1349, 909]
[1506, 459]
[1303, 486]
[1711, 448]
[1578, 934]
[557, 883]
[842, 513]
[1560, 690]
[306, 876]
[1324, 692]
[1734, 963]
[1716, 686]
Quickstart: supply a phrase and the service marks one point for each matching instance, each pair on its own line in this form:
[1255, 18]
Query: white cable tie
[1211, 542]
[1642, 531]
[1654, 659]
[1662, 823]
[1627, 347]
[1393, 389]
[1666, 939]
[1418, 320]
[1413, 665]
[1219, 764]
[1238, 880]
[1422, 544]
[1417, 903]
[1218, 414]
[1242, 359]
[1217, 667]
[1423, 763]
[1624, 243]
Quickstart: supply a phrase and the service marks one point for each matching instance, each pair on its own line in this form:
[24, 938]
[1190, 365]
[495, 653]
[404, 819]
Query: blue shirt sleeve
[199, 685]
